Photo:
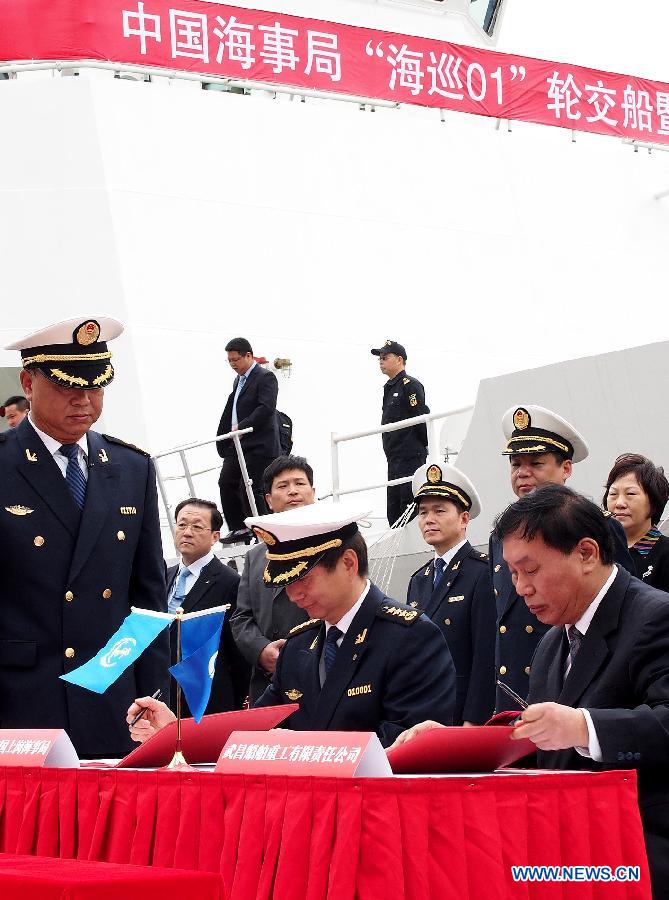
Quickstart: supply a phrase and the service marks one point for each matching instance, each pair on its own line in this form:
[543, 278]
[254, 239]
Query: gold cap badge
[87, 334]
[434, 474]
[521, 419]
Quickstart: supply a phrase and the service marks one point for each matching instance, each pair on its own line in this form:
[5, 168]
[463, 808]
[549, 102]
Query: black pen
[145, 709]
[511, 693]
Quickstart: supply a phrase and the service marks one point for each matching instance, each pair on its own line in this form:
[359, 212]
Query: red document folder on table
[203, 743]
[480, 748]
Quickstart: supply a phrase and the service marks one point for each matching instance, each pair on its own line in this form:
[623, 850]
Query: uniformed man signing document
[362, 662]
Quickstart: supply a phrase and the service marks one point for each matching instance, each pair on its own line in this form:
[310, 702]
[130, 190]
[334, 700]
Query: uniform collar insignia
[361, 637]
[293, 694]
[103, 456]
[31, 456]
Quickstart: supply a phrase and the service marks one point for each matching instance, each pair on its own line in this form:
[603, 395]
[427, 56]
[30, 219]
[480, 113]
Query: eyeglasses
[197, 529]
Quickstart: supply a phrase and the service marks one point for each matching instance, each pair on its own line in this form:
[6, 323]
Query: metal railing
[428, 419]
[181, 451]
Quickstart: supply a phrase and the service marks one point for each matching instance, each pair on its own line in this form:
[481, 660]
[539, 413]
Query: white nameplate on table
[37, 747]
[344, 754]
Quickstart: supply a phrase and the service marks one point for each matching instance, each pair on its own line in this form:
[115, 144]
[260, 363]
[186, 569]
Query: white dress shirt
[53, 446]
[343, 625]
[194, 570]
[593, 750]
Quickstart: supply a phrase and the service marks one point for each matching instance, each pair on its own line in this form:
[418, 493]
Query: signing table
[362, 839]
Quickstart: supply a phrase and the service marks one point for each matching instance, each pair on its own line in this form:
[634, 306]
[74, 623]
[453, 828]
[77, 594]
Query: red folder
[203, 743]
[476, 749]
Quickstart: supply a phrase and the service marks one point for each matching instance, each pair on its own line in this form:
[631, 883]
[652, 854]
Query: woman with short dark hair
[636, 494]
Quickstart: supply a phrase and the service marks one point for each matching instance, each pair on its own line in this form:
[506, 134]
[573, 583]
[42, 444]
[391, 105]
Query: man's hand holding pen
[146, 716]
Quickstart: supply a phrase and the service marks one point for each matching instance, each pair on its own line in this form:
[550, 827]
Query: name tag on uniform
[360, 689]
[456, 599]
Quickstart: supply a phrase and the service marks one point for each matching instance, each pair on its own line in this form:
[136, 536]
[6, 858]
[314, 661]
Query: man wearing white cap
[542, 448]
[454, 590]
[362, 662]
[81, 542]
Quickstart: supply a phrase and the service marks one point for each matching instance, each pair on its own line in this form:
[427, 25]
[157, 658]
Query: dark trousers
[400, 495]
[234, 501]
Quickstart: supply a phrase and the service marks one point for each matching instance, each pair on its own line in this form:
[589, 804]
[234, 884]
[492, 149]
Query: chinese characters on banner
[273, 48]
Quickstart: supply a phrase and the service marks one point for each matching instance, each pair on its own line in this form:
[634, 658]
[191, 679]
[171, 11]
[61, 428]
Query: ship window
[486, 14]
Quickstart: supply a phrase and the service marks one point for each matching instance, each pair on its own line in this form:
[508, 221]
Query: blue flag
[200, 638]
[122, 649]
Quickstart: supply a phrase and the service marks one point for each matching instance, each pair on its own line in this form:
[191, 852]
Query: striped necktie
[439, 566]
[75, 478]
[331, 648]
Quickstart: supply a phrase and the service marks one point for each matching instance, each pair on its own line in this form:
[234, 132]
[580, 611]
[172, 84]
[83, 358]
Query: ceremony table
[42, 878]
[342, 839]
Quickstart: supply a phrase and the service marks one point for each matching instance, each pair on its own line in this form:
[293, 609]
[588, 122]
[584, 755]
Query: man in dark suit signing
[252, 404]
[599, 685]
[201, 581]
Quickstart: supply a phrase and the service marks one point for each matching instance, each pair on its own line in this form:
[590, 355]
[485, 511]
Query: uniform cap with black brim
[72, 353]
[391, 347]
[298, 539]
[534, 429]
[448, 483]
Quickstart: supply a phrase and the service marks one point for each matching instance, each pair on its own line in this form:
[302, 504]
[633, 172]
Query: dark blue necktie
[76, 481]
[331, 648]
[439, 566]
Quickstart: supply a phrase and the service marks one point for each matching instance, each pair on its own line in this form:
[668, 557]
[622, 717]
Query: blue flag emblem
[200, 639]
[122, 649]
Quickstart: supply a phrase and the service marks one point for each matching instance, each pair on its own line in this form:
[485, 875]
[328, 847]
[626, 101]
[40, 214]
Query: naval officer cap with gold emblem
[448, 483]
[298, 539]
[72, 353]
[533, 429]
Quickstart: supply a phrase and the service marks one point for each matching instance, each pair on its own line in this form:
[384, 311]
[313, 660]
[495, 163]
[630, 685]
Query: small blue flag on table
[200, 639]
[122, 649]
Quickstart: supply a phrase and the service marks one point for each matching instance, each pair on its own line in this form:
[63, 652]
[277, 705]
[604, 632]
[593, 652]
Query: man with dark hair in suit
[264, 616]
[599, 684]
[15, 410]
[81, 543]
[252, 404]
[201, 581]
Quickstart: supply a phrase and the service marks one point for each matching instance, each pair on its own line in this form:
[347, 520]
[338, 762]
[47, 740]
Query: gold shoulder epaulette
[115, 440]
[304, 626]
[476, 554]
[398, 612]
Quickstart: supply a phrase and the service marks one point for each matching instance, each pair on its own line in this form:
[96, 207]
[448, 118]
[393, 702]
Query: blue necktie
[331, 648]
[240, 385]
[179, 593]
[75, 478]
[439, 566]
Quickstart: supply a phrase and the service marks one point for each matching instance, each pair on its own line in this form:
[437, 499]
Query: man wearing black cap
[81, 542]
[406, 449]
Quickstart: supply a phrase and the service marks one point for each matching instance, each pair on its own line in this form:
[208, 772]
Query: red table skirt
[39, 878]
[315, 838]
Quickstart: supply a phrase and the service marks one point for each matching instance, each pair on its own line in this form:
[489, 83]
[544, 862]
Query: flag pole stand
[178, 761]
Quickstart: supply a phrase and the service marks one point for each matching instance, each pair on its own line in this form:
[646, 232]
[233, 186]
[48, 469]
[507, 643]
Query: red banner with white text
[274, 48]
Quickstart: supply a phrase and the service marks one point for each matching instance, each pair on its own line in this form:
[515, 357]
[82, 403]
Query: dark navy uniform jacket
[392, 670]
[404, 398]
[518, 631]
[463, 606]
[68, 581]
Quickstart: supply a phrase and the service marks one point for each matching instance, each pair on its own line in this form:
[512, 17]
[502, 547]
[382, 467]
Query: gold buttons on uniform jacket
[502, 670]
[69, 652]
[527, 670]
[529, 629]
[120, 535]
[447, 621]
[502, 629]
[38, 541]
[106, 593]
[69, 595]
